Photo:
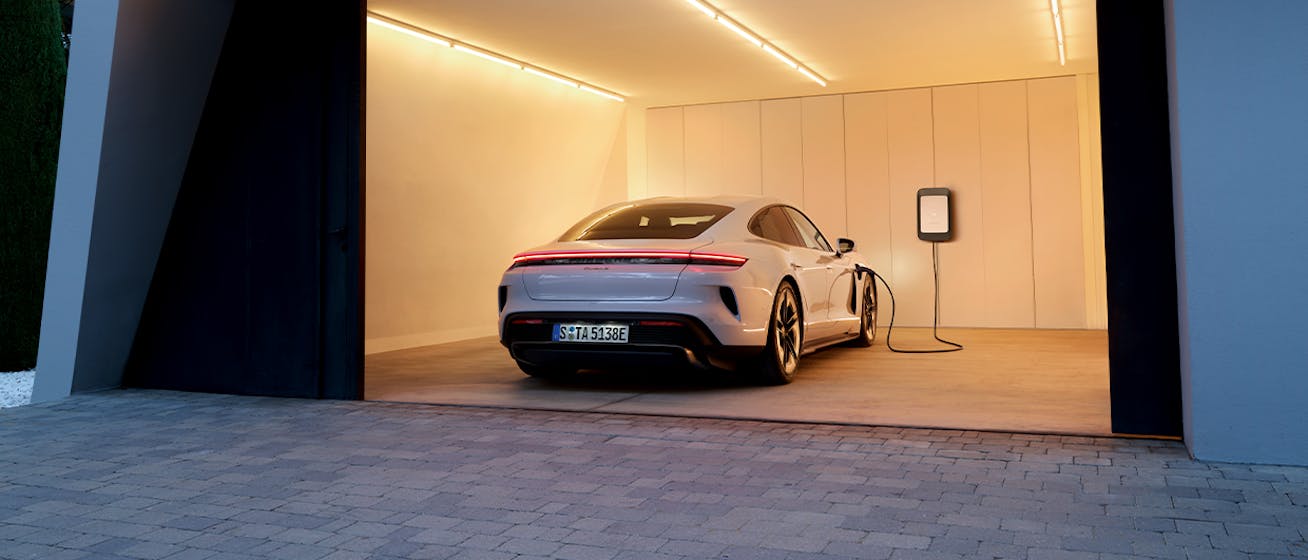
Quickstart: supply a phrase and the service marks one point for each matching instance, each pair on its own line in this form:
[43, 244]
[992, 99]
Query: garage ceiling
[665, 52]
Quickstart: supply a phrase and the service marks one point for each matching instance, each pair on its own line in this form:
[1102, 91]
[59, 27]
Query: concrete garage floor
[1042, 381]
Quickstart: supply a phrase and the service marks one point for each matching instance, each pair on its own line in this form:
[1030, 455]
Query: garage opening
[490, 132]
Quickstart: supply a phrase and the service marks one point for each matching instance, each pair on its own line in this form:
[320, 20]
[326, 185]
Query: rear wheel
[548, 373]
[867, 328]
[780, 358]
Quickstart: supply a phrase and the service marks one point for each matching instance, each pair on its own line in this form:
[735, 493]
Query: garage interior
[469, 162]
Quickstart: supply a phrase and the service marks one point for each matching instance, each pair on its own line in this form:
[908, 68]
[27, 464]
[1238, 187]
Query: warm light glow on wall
[1058, 31]
[420, 33]
[757, 41]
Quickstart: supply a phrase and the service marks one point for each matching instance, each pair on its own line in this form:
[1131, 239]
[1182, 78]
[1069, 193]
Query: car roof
[744, 202]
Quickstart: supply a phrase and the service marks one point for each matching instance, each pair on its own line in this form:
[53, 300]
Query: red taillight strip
[679, 257]
[717, 259]
[553, 255]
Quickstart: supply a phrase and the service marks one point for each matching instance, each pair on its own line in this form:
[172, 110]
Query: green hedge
[33, 67]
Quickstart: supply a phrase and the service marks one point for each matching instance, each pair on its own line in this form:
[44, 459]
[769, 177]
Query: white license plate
[609, 333]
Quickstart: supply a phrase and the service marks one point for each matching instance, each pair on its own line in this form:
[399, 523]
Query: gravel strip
[16, 388]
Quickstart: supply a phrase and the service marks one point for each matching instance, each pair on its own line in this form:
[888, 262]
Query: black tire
[867, 325]
[547, 373]
[780, 359]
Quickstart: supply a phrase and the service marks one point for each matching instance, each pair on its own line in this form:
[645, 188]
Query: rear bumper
[689, 343]
[698, 294]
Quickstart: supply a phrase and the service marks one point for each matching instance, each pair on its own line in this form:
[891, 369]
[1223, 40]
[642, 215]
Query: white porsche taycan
[723, 282]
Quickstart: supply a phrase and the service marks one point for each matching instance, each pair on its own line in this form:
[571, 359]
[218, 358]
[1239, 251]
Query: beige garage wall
[1022, 158]
[468, 163]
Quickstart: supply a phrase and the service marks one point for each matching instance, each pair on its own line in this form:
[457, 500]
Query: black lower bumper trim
[588, 356]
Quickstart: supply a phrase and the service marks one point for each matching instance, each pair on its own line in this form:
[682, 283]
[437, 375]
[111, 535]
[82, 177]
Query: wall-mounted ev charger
[934, 225]
[933, 213]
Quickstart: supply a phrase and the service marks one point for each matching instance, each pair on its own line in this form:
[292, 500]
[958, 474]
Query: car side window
[773, 224]
[808, 232]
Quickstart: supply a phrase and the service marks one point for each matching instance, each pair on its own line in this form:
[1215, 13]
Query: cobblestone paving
[147, 474]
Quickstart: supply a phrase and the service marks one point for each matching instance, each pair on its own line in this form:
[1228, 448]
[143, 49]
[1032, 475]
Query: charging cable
[935, 322]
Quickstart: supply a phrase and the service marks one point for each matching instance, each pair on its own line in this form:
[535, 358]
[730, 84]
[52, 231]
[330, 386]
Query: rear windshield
[673, 220]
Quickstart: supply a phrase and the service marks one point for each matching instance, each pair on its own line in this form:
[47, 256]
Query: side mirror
[844, 245]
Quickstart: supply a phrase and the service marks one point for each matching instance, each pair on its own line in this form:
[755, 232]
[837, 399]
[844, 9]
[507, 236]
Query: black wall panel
[257, 286]
[1143, 341]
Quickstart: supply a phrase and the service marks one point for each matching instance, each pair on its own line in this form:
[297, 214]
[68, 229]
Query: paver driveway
[152, 474]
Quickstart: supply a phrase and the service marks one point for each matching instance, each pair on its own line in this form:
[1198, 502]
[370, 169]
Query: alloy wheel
[869, 313]
[789, 336]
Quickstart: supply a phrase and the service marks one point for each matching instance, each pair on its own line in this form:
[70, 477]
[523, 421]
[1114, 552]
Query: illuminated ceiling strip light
[420, 33]
[600, 92]
[781, 56]
[407, 31]
[743, 31]
[812, 76]
[1058, 31]
[739, 30]
[549, 76]
[488, 56]
[703, 8]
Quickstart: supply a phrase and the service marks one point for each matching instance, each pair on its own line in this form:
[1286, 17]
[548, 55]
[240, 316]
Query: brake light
[538, 258]
[659, 324]
[527, 322]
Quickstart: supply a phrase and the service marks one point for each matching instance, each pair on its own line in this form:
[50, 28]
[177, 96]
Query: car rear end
[628, 296]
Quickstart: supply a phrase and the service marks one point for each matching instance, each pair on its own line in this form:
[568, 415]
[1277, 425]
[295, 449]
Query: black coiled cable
[935, 323]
